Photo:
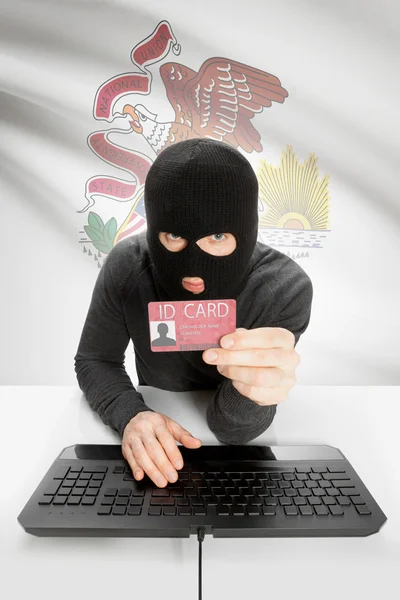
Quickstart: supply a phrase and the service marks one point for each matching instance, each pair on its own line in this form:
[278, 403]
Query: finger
[171, 450]
[184, 436]
[255, 376]
[261, 337]
[128, 455]
[156, 452]
[255, 357]
[146, 463]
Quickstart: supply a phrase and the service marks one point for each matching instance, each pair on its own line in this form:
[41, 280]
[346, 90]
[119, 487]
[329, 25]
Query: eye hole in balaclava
[195, 189]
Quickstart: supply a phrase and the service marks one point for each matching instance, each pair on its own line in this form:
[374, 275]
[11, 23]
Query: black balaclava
[194, 189]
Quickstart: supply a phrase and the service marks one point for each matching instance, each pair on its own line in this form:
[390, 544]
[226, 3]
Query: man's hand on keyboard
[149, 445]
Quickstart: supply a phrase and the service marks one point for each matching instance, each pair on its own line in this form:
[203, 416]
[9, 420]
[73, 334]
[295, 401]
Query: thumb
[183, 435]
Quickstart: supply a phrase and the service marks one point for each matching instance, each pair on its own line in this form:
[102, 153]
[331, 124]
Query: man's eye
[218, 234]
[174, 234]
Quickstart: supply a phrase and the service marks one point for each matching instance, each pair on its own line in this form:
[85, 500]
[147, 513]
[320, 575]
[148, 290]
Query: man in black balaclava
[195, 189]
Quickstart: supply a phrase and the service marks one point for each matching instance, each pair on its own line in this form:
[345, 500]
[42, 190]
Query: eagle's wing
[225, 95]
[175, 77]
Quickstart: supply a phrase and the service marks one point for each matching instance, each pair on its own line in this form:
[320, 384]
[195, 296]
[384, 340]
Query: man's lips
[194, 284]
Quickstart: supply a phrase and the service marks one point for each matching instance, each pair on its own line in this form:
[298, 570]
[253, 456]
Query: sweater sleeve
[99, 362]
[234, 418]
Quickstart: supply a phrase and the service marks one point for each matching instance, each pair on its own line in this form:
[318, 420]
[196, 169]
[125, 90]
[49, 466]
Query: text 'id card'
[190, 325]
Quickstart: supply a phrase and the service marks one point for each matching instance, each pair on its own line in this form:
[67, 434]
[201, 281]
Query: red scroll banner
[153, 49]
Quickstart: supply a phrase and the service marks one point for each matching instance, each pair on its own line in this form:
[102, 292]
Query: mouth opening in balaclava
[195, 189]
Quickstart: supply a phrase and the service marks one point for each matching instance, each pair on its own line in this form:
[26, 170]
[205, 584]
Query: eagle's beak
[134, 121]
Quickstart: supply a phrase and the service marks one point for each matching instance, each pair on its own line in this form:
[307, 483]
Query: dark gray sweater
[278, 294]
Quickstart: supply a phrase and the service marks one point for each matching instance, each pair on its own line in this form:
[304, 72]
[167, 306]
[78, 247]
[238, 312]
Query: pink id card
[190, 324]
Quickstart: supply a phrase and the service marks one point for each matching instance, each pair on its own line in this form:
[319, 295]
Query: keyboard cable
[201, 532]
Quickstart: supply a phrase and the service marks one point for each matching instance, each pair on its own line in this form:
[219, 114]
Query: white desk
[37, 422]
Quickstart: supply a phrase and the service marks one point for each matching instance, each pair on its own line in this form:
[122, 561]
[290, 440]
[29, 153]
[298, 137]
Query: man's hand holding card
[260, 362]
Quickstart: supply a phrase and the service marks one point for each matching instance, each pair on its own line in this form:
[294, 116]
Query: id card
[190, 324]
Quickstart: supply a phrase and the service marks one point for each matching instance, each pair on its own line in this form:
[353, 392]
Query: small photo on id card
[190, 325]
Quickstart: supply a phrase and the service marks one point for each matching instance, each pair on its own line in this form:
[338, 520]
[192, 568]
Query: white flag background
[329, 163]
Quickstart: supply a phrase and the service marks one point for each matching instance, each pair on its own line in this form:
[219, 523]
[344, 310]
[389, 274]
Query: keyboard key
[59, 500]
[316, 500]
[186, 502]
[275, 477]
[329, 500]
[330, 476]
[98, 476]
[337, 469]
[155, 511]
[303, 469]
[234, 476]
[88, 501]
[75, 469]
[318, 492]
[52, 488]
[285, 501]
[288, 476]
[324, 484]
[64, 491]
[91, 492]
[119, 470]
[95, 469]
[107, 501]
[307, 511]
[321, 510]
[95, 484]
[81, 484]
[61, 473]
[283, 485]
[104, 510]
[122, 501]
[73, 501]
[184, 511]
[124, 492]
[169, 511]
[301, 476]
[78, 492]
[247, 476]
[332, 492]
[339, 483]
[276, 493]
[268, 510]
[256, 501]
[111, 492]
[136, 501]
[119, 510]
[311, 484]
[363, 510]
[336, 510]
[138, 493]
[72, 476]
[271, 502]
[350, 491]
[45, 500]
[297, 484]
[315, 476]
[162, 501]
[134, 511]
[355, 499]
[238, 510]
[319, 469]
[85, 476]
[291, 510]
[212, 501]
[301, 501]
[305, 492]
[199, 510]
[344, 500]
[197, 502]
[253, 511]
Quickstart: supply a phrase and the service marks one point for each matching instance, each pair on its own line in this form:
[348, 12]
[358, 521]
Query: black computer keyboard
[230, 491]
[296, 491]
